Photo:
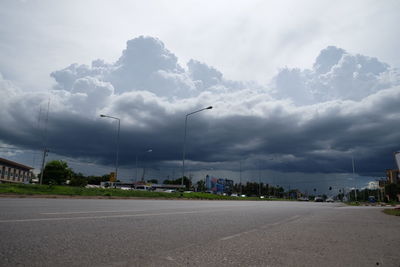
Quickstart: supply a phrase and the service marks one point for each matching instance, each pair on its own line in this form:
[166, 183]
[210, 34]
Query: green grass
[76, 191]
[395, 212]
[353, 203]
[31, 189]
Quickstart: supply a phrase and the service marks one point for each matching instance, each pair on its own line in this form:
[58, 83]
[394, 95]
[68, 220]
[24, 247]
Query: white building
[13, 172]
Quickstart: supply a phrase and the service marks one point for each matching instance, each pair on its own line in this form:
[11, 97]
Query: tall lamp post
[240, 177]
[184, 140]
[117, 154]
[136, 168]
[144, 166]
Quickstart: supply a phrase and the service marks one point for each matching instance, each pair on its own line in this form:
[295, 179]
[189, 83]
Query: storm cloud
[304, 120]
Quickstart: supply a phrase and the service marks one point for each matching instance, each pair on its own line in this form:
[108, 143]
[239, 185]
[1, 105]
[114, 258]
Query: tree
[201, 186]
[56, 172]
[78, 179]
[96, 180]
[186, 181]
[392, 190]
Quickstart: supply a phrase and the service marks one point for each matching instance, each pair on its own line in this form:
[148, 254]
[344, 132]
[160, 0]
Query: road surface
[100, 232]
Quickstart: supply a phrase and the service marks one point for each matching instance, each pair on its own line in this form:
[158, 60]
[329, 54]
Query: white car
[142, 188]
[169, 191]
[318, 199]
[125, 188]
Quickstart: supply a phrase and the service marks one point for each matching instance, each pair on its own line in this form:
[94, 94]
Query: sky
[298, 88]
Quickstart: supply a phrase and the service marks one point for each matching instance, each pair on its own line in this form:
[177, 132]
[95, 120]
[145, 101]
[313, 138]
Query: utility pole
[344, 194]
[259, 179]
[355, 187]
[136, 168]
[45, 150]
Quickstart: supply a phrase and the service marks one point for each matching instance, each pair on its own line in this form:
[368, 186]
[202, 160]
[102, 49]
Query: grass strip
[33, 189]
[395, 212]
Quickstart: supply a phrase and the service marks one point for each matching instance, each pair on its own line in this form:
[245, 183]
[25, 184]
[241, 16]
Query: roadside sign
[112, 177]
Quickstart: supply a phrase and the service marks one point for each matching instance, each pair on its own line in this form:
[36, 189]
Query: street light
[144, 166]
[147, 151]
[184, 139]
[119, 127]
[240, 176]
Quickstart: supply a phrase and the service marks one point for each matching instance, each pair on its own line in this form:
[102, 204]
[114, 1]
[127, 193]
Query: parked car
[125, 188]
[142, 188]
[329, 199]
[318, 199]
[303, 199]
[169, 191]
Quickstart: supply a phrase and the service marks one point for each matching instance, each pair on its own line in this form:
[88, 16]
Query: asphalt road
[91, 232]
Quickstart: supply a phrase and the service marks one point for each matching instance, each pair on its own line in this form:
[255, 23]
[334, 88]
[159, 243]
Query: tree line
[57, 172]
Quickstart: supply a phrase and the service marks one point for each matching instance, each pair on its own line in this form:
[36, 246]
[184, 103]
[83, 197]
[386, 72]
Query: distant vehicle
[262, 197]
[169, 191]
[125, 188]
[318, 199]
[187, 191]
[303, 199]
[329, 199]
[234, 195]
[142, 187]
[371, 199]
[243, 195]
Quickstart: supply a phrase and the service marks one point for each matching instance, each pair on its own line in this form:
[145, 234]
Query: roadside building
[14, 172]
[393, 176]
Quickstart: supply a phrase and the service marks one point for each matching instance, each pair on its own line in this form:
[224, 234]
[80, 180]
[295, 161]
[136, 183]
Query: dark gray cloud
[311, 121]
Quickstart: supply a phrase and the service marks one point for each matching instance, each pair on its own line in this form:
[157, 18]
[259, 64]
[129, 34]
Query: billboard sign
[218, 185]
[397, 159]
[112, 177]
